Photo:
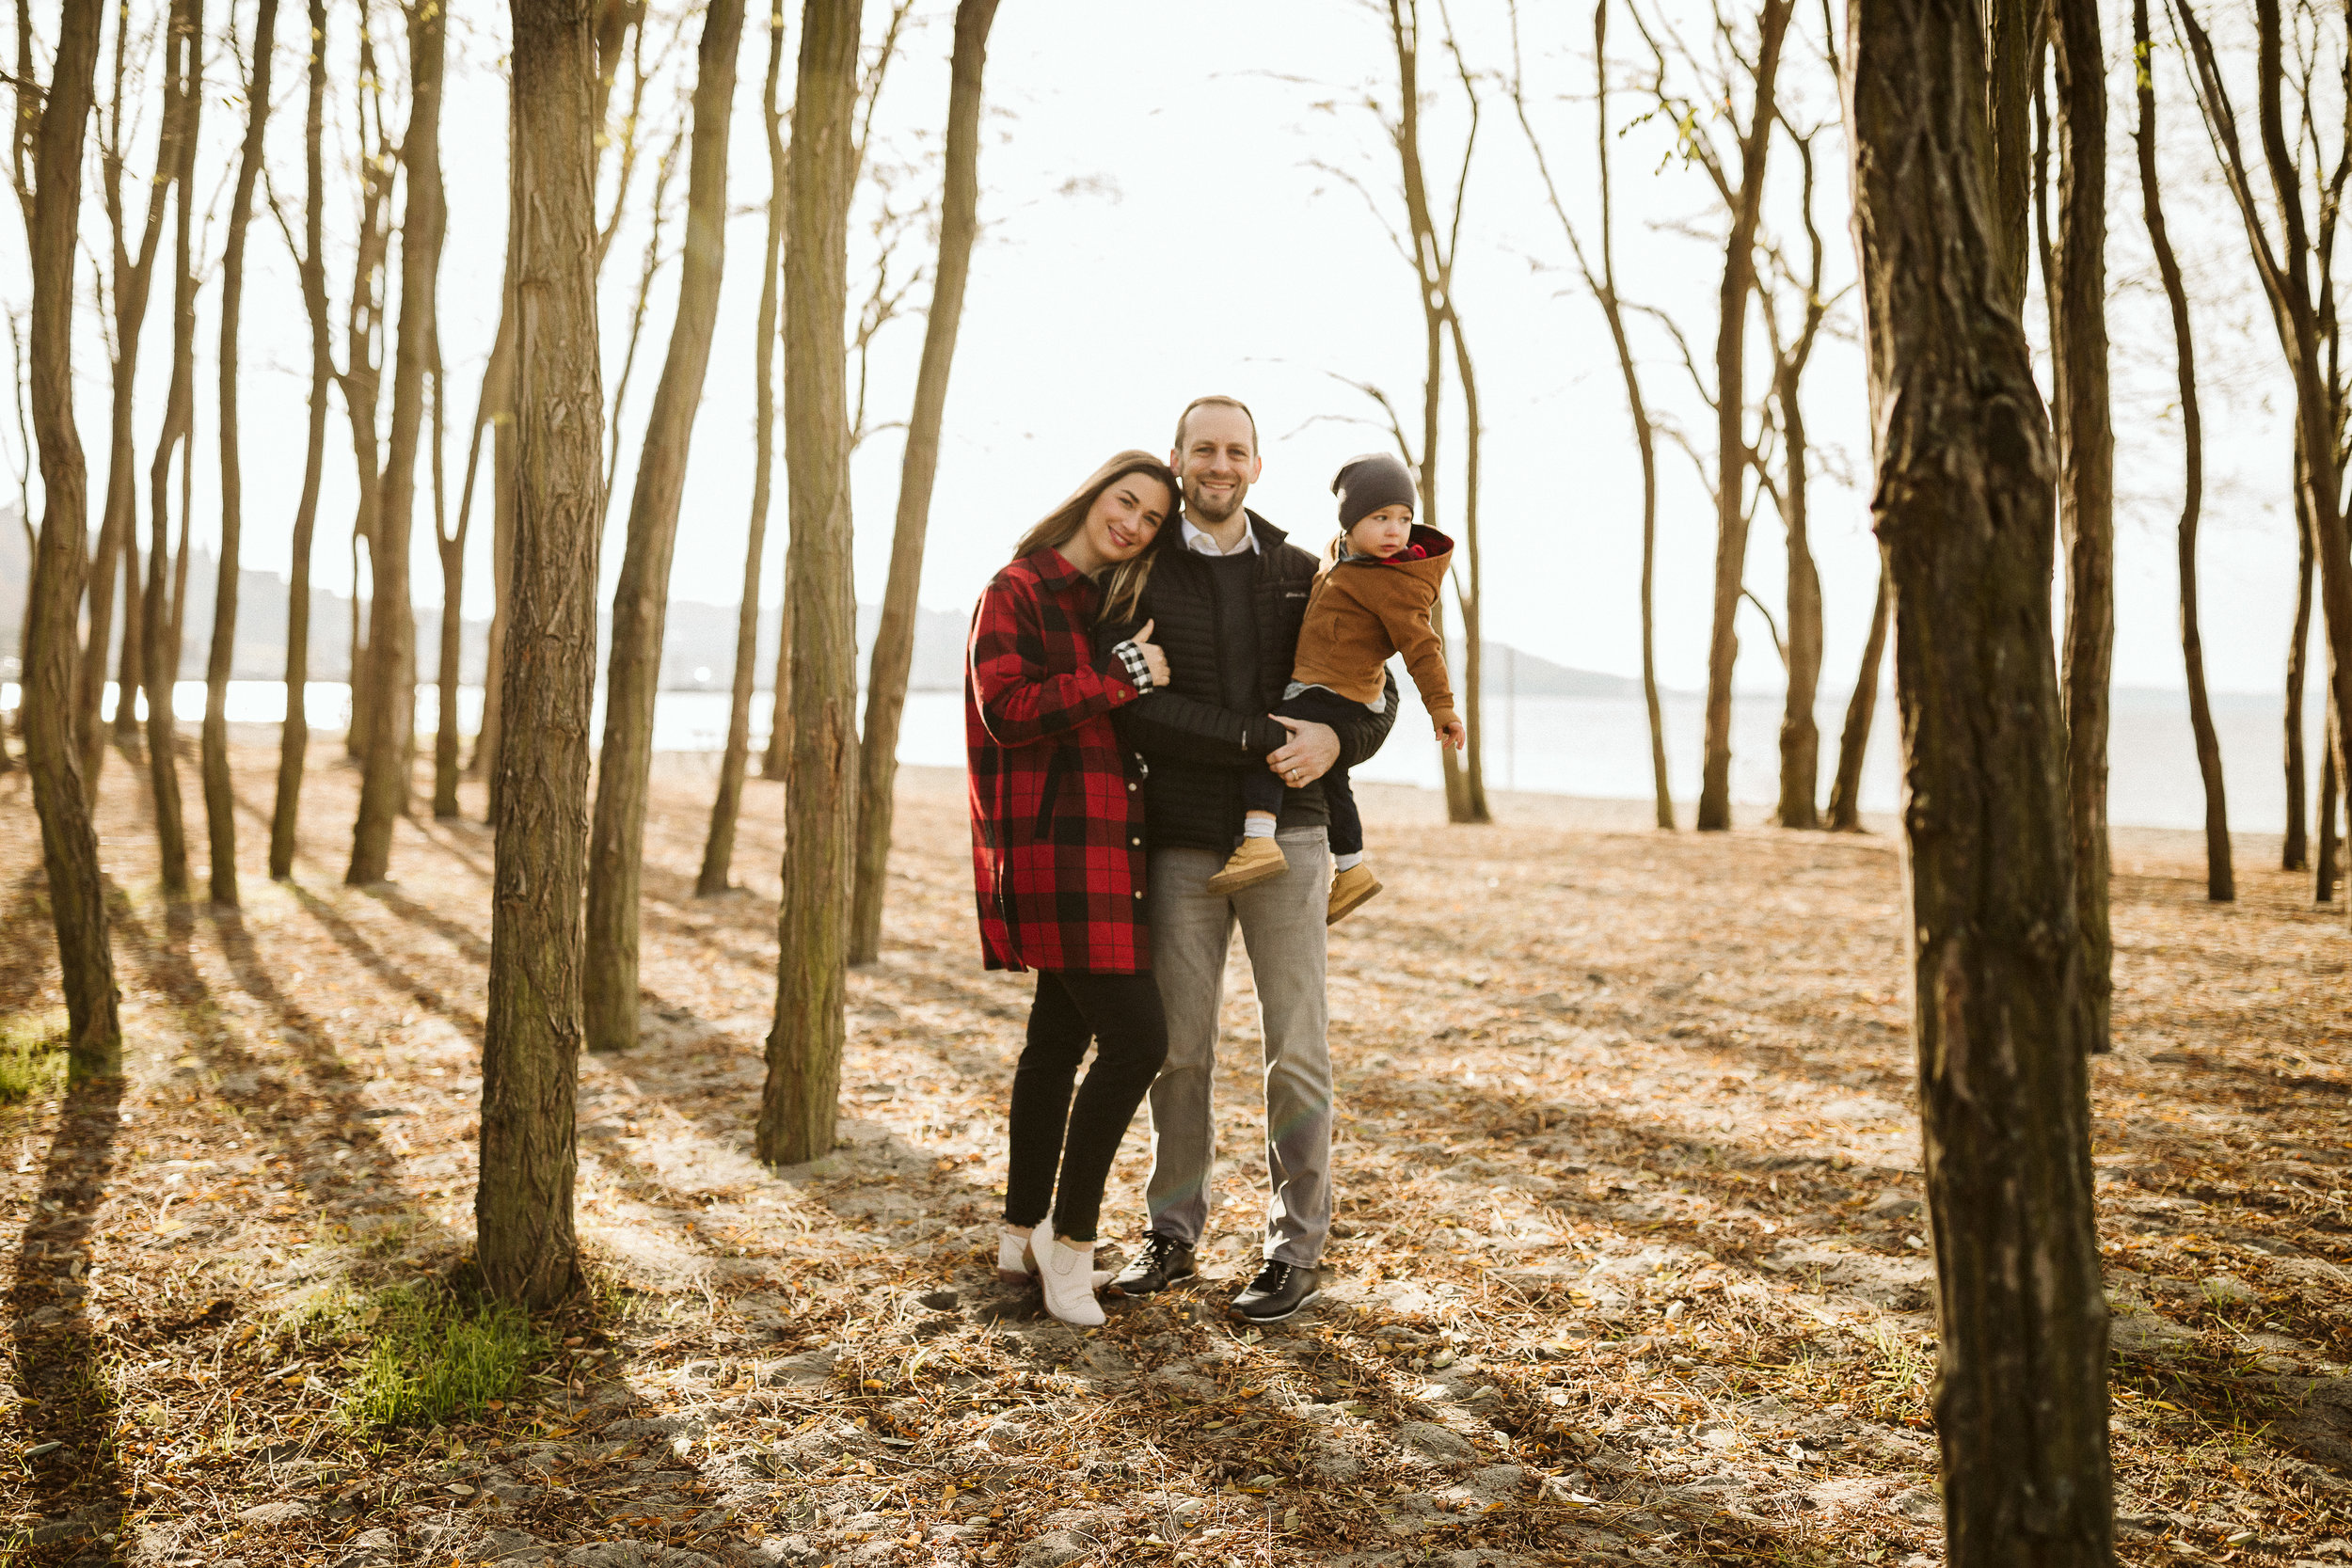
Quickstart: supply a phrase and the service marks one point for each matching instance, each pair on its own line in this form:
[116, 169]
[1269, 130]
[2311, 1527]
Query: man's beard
[1201, 509]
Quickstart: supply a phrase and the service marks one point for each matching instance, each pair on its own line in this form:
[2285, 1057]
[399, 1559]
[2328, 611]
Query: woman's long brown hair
[1122, 586]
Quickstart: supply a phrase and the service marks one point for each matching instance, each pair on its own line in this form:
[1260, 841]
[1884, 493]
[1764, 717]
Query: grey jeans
[1281, 924]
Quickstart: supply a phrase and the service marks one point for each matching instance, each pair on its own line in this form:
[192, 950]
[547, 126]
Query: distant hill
[698, 649]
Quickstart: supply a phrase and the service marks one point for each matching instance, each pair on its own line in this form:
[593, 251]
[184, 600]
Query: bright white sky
[1162, 220]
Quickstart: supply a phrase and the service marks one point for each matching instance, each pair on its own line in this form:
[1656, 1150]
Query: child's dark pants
[1261, 787]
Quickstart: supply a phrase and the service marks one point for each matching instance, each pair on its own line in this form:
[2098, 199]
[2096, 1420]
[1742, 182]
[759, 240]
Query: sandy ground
[1629, 1268]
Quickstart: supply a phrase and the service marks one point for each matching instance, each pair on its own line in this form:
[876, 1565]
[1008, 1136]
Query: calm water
[1554, 745]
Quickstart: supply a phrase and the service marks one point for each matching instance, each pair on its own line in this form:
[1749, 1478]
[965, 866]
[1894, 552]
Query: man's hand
[1312, 749]
[1453, 734]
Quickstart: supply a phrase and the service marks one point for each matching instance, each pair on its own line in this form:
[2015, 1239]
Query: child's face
[1383, 533]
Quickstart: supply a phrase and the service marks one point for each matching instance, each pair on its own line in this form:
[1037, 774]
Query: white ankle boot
[1066, 1269]
[1015, 1262]
[1016, 1258]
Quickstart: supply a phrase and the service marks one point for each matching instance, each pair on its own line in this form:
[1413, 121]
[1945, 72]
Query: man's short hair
[1214, 400]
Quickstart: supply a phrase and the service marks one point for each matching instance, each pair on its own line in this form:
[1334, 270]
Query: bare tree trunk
[69, 841]
[451, 547]
[2296, 851]
[1845, 793]
[719, 848]
[2086, 477]
[1731, 401]
[160, 637]
[641, 598]
[2220, 884]
[117, 526]
[131, 663]
[894, 640]
[799, 1103]
[293, 741]
[2328, 866]
[1800, 735]
[220, 803]
[531, 1048]
[2015, 36]
[2305, 328]
[776, 762]
[362, 379]
[1962, 497]
[1473, 624]
[1604, 290]
[392, 621]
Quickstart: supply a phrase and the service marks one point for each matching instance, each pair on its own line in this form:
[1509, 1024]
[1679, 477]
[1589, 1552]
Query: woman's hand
[1155, 661]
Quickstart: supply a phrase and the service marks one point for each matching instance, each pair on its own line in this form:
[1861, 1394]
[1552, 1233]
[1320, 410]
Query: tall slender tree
[134, 272]
[293, 741]
[2285, 262]
[1602, 285]
[2295, 850]
[1962, 502]
[1853, 738]
[529, 1249]
[719, 848]
[451, 546]
[894, 638]
[183, 66]
[2220, 883]
[392, 619]
[1800, 735]
[361, 379]
[1739, 180]
[2078, 292]
[220, 802]
[69, 841]
[641, 598]
[800, 1100]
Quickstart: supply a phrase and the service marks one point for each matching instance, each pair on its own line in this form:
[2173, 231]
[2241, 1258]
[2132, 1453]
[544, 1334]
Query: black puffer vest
[1196, 743]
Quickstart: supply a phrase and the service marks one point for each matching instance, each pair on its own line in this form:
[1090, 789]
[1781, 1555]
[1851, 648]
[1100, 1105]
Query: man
[1226, 598]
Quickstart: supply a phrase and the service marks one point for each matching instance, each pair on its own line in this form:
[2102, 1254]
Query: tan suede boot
[1349, 890]
[1257, 860]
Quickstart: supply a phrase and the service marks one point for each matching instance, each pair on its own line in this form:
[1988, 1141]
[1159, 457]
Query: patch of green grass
[32, 1062]
[432, 1353]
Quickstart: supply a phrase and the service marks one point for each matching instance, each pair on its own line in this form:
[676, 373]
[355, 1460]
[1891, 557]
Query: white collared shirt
[1200, 543]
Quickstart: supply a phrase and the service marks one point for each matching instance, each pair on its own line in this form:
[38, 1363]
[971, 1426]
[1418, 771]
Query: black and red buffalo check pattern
[1057, 804]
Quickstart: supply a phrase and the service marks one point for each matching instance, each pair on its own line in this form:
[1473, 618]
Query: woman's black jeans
[1119, 1015]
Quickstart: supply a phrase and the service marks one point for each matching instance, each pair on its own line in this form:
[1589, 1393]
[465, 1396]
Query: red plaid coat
[1057, 801]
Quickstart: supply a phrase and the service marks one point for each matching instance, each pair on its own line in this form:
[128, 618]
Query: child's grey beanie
[1367, 484]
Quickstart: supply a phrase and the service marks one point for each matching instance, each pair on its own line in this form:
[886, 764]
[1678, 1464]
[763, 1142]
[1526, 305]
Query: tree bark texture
[776, 762]
[2327, 864]
[2220, 882]
[1731, 402]
[1962, 501]
[799, 1103]
[1853, 740]
[893, 642]
[2086, 477]
[159, 639]
[719, 848]
[117, 525]
[293, 741]
[220, 802]
[362, 383]
[68, 840]
[531, 1047]
[641, 598]
[2295, 850]
[496, 379]
[131, 667]
[1800, 734]
[384, 786]
[2014, 38]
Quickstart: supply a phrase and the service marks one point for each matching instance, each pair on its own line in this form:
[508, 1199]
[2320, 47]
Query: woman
[1057, 856]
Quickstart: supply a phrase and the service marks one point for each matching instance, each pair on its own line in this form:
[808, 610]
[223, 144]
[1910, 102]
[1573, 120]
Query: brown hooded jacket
[1365, 608]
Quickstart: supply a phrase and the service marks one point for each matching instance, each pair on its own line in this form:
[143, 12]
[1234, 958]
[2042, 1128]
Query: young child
[1372, 599]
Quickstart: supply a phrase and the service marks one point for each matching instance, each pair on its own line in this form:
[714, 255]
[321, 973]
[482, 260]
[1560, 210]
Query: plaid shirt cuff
[1137, 670]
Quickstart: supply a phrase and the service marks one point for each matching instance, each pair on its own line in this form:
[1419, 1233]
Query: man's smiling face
[1218, 462]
